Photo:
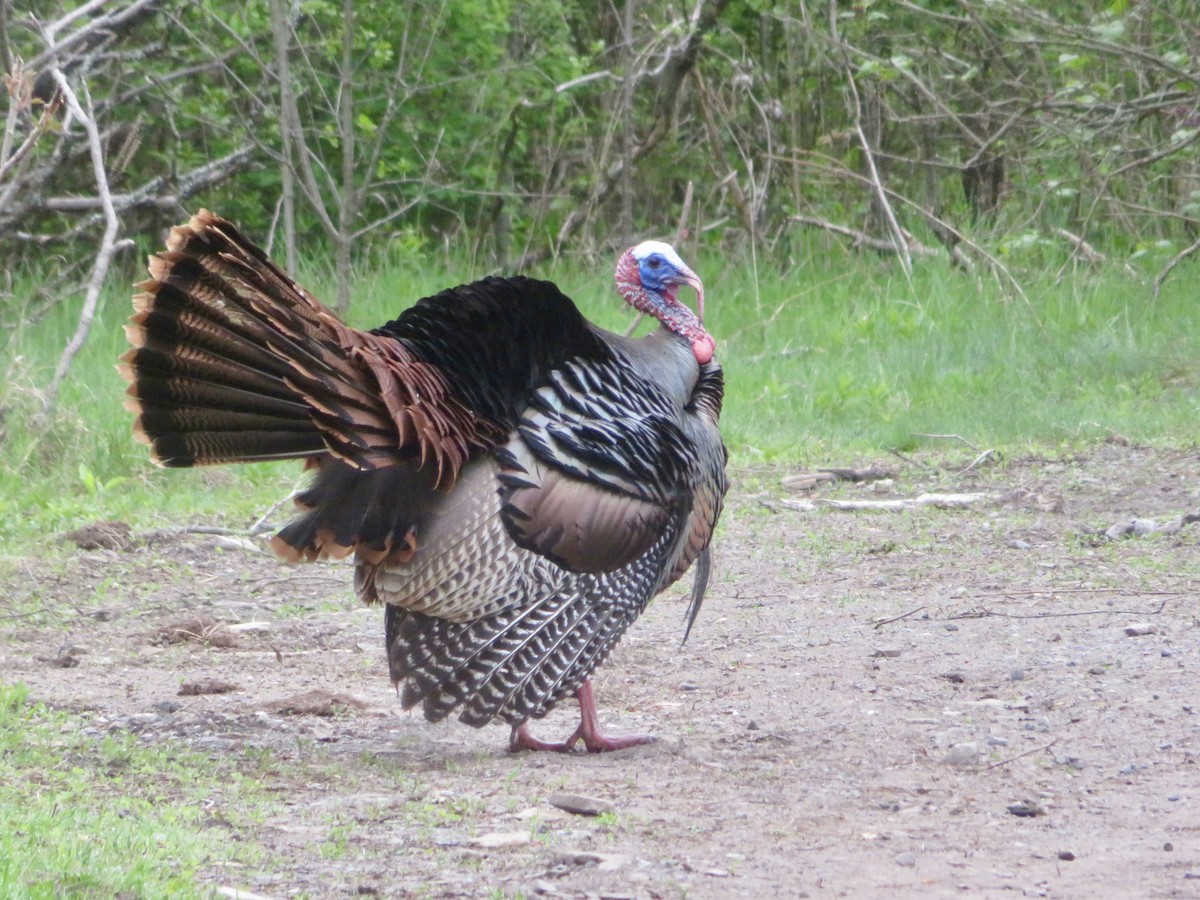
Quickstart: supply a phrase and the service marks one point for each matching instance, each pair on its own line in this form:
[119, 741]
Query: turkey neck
[664, 358]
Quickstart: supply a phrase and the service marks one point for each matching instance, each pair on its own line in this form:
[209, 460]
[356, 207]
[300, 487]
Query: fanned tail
[232, 361]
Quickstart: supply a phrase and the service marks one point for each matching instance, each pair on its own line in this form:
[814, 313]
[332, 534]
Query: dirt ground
[929, 702]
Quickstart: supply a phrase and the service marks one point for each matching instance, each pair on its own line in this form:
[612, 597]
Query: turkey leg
[588, 731]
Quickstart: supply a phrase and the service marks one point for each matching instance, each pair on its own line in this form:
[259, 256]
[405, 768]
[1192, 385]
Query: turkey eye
[654, 262]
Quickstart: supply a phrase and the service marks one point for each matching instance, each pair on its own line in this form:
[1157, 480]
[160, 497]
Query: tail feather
[234, 362]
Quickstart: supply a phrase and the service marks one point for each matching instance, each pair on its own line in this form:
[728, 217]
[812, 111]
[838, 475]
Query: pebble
[1066, 855]
[579, 805]
[1096, 670]
[887, 653]
[235, 543]
[1016, 675]
[1166, 653]
[1140, 629]
[1018, 544]
[950, 626]
[604, 862]
[1026, 810]
[907, 858]
[962, 755]
[997, 742]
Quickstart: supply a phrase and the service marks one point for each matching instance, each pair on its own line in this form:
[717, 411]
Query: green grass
[832, 361]
[82, 816]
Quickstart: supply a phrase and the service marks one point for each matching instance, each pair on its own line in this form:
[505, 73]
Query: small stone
[962, 755]
[245, 545]
[239, 627]
[1016, 675]
[1173, 798]
[1018, 544]
[907, 858]
[1168, 846]
[1140, 629]
[1066, 855]
[604, 862]
[886, 653]
[689, 686]
[950, 626]
[752, 725]
[1096, 670]
[997, 742]
[717, 873]
[579, 805]
[1165, 653]
[1026, 810]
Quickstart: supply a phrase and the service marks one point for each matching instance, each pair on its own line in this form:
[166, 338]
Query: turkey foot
[588, 731]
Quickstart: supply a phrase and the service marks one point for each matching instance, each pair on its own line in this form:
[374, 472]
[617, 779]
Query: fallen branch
[1005, 762]
[936, 501]
[945, 437]
[1143, 527]
[990, 614]
[909, 460]
[899, 618]
[986, 454]
[806, 481]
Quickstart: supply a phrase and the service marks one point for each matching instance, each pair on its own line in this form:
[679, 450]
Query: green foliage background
[993, 122]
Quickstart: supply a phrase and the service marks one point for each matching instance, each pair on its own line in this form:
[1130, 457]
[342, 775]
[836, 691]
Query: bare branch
[1170, 266]
[109, 245]
[862, 239]
[100, 28]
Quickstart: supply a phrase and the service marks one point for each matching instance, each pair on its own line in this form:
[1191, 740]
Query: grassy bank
[824, 363]
[89, 816]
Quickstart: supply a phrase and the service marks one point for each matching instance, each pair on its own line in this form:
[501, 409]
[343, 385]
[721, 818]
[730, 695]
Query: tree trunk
[287, 186]
[348, 207]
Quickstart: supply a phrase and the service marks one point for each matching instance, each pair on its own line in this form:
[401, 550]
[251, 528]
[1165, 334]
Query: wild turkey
[515, 484]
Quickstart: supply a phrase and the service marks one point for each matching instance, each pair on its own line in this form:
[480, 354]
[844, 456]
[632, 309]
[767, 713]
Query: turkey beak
[690, 278]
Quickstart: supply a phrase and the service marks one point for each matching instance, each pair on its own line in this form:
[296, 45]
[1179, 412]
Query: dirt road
[1001, 735]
